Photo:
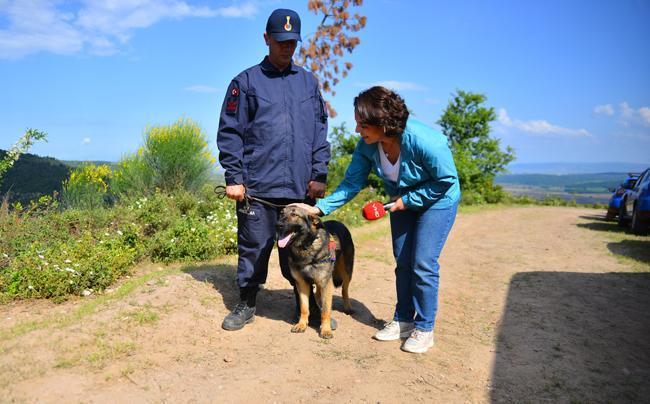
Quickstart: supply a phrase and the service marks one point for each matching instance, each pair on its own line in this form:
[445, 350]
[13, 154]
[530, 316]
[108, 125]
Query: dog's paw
[300, 327]
[326, 334]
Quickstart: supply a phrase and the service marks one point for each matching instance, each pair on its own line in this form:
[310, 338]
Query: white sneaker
[419, 342]
[394, 330]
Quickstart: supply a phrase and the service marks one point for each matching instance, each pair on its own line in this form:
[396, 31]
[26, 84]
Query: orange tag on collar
[331, 246]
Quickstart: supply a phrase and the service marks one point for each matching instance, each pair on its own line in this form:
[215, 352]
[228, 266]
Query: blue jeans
[418, 238]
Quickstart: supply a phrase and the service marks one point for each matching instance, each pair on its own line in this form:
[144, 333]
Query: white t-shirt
[391, 171]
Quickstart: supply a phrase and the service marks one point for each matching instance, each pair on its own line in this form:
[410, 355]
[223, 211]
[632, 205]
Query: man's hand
[312, 210]
[235, 192]
[316, 189]
[399, 205]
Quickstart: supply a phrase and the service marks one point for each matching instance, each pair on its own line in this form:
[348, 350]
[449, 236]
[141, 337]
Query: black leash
[220, 190]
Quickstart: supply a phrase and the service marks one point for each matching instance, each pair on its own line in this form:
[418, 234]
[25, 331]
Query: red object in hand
[375, 210]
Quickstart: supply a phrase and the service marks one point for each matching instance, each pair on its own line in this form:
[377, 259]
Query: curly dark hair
[380, 106]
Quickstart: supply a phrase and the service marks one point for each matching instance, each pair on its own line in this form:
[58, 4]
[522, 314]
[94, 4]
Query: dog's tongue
[285, 240]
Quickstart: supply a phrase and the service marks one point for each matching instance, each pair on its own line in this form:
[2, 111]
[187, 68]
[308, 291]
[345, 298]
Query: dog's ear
[316, 223]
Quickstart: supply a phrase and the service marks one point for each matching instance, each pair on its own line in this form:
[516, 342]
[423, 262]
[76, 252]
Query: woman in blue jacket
[419, 174]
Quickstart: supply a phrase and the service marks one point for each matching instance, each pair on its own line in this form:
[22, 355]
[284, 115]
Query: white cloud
[606, 109]
[246, 10]
[199, 88]
[85, 141]
[98, 26]
[645, 114]
[538, 127]
[634, 117]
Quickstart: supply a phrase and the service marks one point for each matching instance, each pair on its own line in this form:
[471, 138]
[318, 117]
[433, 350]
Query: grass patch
[109, 352]
[143, 315]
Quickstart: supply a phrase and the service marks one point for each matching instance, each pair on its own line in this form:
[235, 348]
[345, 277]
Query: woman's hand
[399, 205]
[312, 210]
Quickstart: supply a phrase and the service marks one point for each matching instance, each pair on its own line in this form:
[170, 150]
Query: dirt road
[536, 304]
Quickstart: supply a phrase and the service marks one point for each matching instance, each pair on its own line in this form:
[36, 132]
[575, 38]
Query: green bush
[81, 251]
[75, 266]
[132, 178]
[172, 157]
[87, 187]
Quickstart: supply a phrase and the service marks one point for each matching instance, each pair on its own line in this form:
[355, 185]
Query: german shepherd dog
[319, 253]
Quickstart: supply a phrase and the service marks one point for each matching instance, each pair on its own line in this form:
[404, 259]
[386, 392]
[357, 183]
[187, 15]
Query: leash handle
[220, 190]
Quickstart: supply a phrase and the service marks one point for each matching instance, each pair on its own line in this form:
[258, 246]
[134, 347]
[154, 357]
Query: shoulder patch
[232, 100]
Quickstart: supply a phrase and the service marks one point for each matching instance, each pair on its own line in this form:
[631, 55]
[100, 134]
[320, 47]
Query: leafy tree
[478, 157]
[325, 48]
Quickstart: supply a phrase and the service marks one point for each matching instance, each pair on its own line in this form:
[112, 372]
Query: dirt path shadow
[574, 337]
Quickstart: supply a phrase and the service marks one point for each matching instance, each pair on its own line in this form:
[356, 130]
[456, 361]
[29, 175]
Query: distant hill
[576, 168]
[572, 183]
[584, 188]
[32, 176]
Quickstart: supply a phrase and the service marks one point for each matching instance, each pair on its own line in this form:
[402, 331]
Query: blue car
[617, 196]
[635, 205]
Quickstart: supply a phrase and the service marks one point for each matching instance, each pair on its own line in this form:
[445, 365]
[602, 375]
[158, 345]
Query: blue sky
[569, 79]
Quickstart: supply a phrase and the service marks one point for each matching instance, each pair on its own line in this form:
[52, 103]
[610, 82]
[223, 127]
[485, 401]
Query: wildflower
[30, 287]
[41, 257]
[70, 282]
[67, 261]
[5, 255]
[119, 232]
[192, 229]
[86, 292]
[76, 265]
[68, 269]
[107, 234]
[173, 240]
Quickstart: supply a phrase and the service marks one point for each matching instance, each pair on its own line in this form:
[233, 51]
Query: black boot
[314, 310]
[244, 312]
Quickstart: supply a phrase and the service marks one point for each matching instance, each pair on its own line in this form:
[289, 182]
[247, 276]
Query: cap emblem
[288, 26]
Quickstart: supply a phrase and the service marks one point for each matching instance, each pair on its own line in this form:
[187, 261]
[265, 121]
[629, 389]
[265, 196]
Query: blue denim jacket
[273, 132]
[427, 174]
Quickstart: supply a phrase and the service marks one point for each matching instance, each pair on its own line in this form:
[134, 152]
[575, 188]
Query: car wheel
[636, 225]
[622, 213]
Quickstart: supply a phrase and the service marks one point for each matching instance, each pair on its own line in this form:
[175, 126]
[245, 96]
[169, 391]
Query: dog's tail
[347, 249]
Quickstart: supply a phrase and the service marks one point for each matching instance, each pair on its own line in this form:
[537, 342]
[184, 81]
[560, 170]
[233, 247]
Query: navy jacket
[273, 132]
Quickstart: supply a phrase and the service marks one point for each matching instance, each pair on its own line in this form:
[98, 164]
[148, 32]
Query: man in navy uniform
[273, 145]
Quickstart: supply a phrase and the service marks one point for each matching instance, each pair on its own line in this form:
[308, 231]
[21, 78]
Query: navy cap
[284, 25]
